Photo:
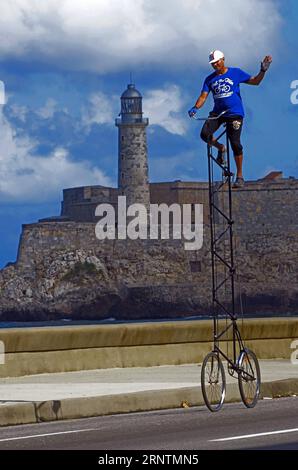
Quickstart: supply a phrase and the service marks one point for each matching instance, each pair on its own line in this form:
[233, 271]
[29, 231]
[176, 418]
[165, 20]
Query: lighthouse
[133, 180]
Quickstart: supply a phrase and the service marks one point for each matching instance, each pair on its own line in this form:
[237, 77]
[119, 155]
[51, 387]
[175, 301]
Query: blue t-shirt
[226, 91]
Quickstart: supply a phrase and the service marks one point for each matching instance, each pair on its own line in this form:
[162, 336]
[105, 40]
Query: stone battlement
[265, 201]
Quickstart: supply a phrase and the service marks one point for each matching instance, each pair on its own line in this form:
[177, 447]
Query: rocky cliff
[63, 271]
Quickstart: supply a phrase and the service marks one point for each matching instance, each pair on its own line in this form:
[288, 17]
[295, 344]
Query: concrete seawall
[63, 349]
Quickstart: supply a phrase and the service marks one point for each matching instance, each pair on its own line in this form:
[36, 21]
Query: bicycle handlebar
[209, 118]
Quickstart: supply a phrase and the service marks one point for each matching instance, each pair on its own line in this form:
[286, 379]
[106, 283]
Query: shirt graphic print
[226, 91]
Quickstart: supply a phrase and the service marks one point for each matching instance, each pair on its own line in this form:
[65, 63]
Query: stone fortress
[63, 270]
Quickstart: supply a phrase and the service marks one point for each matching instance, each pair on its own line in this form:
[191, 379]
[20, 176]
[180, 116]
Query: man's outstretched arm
[265, 64]
[201, 100]
[199, 103]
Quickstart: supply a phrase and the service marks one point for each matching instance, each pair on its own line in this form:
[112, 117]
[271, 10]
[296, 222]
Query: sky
[65, 63]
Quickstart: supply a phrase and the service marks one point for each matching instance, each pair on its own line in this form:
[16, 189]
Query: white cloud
[100, 110]
[163, 106]
[18, 111]
[108, 35]
[29, 178]
[48, 110]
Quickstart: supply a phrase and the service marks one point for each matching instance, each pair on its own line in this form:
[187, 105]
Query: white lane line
[247, 436]
[44, 435]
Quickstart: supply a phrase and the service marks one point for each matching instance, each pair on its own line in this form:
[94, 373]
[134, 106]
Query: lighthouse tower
[133, 180]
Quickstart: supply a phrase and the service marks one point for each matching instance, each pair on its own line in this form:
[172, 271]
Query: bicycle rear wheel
[249, 378]
[213, 381]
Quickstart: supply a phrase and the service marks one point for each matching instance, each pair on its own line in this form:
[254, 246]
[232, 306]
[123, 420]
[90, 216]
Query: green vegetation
[80, 271]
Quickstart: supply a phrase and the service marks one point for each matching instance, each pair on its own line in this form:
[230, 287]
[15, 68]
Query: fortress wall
[255, 209]
[256, 206]
[73, 195]
[81, 211]
[267, 263]
[80, 203]
[163, 193]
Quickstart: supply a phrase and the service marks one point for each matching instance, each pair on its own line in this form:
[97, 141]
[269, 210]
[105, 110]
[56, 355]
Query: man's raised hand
[265, 64]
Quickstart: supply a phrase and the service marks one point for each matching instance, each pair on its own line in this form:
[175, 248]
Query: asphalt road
[272, 424]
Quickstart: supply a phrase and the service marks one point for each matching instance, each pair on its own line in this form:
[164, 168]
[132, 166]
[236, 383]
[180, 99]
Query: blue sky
[65, 64]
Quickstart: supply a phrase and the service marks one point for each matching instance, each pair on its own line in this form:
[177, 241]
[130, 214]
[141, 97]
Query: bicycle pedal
[231, 370]
[227, 173]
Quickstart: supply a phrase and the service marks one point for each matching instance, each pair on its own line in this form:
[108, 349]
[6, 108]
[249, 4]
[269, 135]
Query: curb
[86, 407]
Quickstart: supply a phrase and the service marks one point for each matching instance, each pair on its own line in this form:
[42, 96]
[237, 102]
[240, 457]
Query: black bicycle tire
[209, 405]
[248, 402]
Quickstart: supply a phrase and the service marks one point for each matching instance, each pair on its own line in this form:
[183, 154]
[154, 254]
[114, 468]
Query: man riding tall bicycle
[224, 84]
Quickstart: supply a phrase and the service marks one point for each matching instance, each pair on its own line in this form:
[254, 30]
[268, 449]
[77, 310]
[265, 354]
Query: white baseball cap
[214, 56]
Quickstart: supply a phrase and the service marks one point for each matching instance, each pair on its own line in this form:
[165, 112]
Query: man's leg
[239, 161]
[234, 128]
[218, 145]
[207, 132]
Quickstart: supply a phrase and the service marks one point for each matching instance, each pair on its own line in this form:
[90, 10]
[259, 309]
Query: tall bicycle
[242, 363]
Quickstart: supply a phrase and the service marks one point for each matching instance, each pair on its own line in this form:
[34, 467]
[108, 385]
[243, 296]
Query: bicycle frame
[243, 362]
[225, 262]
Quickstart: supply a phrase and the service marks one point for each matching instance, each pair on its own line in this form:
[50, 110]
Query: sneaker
[239, 182]
[220, 156]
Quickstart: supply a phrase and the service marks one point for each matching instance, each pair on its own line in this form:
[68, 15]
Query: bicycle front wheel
[213, 381]
[249, 378]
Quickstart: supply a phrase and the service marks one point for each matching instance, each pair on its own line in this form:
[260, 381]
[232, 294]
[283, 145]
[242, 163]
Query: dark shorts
[234, 128]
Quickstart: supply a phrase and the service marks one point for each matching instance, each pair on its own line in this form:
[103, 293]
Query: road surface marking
[43, 435]
[247, 436]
